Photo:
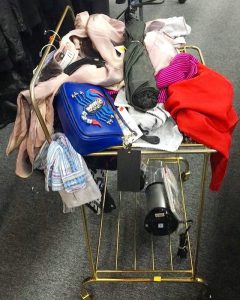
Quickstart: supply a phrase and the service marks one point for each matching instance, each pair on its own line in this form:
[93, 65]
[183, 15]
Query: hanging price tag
[128, 166]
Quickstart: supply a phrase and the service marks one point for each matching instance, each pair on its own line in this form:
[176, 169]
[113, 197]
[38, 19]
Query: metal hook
[50, 30]
[41, 51]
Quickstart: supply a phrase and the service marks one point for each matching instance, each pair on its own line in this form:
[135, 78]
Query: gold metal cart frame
[153, 274]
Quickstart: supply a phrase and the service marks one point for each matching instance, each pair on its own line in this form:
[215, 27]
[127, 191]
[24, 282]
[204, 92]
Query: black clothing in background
[23, 22]
[11, 24]
[22, 27]
[92, 6]
[52, 10]
[31, 13]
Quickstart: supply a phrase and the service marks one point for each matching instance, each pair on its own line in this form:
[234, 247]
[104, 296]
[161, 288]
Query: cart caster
[185, 176]
[182, 1]
[85, 295]
[186, 173]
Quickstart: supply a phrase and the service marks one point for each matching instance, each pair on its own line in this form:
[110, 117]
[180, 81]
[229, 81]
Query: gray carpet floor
[42, 250]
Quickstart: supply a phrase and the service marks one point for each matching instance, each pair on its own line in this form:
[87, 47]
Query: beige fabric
[27, 134]
[160, 49]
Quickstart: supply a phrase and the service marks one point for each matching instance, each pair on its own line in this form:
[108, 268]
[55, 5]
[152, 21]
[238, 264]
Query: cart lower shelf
[126, 252]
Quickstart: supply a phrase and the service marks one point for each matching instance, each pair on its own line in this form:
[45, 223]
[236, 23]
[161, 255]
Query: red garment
[203, 109]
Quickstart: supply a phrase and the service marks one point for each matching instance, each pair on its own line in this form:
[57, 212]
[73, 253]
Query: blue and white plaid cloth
[64, 168]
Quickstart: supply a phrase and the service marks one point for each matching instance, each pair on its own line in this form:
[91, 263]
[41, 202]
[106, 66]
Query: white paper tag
[131, 124]
[67, 59]
[121, 99]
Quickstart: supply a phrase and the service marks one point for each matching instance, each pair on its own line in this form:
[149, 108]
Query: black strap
[183, 242]
[84, 61]
[118, 113]
[151, 139]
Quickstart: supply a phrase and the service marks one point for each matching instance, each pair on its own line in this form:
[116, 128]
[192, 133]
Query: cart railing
[135, 273]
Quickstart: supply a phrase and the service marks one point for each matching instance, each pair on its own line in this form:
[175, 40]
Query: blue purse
[88, 117]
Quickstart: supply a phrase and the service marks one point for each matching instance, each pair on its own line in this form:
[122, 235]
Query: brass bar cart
[134, 272]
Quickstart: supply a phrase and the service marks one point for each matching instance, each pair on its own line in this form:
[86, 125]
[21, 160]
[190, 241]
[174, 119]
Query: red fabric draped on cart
[203, 109]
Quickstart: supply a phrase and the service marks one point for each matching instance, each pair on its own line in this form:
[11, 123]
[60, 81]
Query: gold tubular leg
[153, 254]
[118, 230]
[135, 238]
[88, 242]
[185, 211]
[170, 251]
[170, 241]
[101, 222]
[200, 213]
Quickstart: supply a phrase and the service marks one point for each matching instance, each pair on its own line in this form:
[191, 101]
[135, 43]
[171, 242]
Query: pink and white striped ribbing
[182, 66]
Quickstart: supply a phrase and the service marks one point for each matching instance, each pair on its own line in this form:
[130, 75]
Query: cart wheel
[85, 295]
[182, 1]
[185, 176]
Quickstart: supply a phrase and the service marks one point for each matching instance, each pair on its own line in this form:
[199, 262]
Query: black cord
[183, 242]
